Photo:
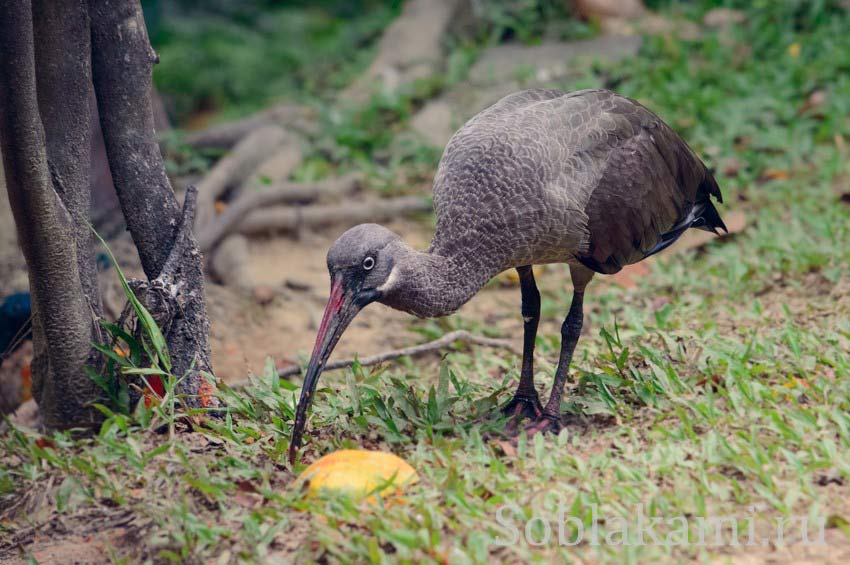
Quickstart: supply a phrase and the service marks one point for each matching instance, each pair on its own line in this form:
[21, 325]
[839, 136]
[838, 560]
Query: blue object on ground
[15, 313]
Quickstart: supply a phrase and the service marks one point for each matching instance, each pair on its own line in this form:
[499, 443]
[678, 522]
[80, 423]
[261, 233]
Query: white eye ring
[368, 263]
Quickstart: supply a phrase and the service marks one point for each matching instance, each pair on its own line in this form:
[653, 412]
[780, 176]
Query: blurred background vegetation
[224, 59]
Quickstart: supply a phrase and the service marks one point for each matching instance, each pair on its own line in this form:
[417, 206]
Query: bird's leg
[526, 402]
[550, 420]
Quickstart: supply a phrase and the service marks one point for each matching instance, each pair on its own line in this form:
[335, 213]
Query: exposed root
[283, 193]
[234, 168]
[293, 219]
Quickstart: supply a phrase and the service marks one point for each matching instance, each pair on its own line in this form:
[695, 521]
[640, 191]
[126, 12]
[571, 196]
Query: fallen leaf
[774, 174]
[45, 443]
[206, 392]
[659, 302]
[249, 501]
[246, 486]
[220, 206]
[507, 447]
[716, 381]
[813, 103]
[794, 50]
[263, 294]
[732, 166]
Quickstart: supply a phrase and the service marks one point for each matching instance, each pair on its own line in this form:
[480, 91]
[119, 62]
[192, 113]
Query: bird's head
[360, 264]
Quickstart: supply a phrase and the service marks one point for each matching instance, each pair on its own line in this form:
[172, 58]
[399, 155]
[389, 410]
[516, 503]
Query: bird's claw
[523, 406]
[545, 423]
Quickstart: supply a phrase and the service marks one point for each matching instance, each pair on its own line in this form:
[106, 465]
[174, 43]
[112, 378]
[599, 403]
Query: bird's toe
[544, 423]
[523, 406]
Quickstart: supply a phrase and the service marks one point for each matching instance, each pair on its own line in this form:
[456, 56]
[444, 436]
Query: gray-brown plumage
[588, 178]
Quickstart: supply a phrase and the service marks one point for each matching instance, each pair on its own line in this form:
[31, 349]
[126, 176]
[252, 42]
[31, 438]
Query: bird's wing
[502, 183]
[649, 184]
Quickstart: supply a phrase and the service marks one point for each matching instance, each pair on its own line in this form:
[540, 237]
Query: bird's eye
[368, 263]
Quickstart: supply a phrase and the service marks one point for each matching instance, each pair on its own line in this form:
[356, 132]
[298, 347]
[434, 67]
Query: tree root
[293, 219]
[234, 168]
[283, 193]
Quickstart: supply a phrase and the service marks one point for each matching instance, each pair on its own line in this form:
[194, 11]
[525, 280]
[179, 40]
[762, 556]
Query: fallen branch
[234, 168]
[296, 218]
[412, 351]
[283, 193]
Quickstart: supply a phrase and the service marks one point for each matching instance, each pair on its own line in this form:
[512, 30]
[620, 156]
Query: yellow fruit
[511, 277]
[357, 473]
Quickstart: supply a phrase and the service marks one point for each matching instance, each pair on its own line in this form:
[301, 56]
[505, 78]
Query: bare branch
[447, 340]
[283, 193]
[293, 219]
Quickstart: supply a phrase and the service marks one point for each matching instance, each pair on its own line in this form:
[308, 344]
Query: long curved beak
[341, 309]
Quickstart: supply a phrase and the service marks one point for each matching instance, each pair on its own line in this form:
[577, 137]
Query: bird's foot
[545, 423]
[523, 406]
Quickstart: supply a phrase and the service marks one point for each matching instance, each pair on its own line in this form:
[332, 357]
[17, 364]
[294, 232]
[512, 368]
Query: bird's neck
[429, 285]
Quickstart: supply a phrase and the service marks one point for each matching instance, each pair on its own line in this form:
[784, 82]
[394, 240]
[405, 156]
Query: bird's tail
[706, 217]
[703, 216]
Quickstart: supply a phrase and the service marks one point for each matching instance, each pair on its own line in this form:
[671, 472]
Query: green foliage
[720, 386]
[239, 59]
[528, 21]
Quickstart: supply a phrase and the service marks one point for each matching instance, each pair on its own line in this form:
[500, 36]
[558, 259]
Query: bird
[588, 178]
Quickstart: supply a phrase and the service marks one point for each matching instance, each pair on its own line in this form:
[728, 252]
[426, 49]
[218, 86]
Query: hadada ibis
[588, 178]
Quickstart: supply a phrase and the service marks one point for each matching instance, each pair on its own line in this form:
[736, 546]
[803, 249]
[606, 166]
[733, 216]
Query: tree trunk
[122, 64]
[46, 73]
[63, 324]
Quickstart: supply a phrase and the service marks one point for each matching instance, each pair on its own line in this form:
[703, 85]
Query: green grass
[720, 386]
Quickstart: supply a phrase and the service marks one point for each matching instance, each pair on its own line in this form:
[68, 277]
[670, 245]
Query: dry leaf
[246, 486]
[774, 174]
[715, 382]
[732, 166]
[263, 294]
[814, 102]
[249, 501]
[45, 443]
[506, 447]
